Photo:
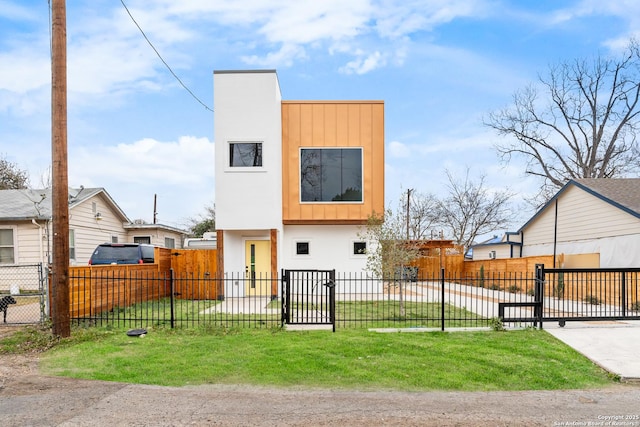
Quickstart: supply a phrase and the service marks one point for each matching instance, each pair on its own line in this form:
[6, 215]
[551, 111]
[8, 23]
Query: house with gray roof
[94, 218]
[590, 223]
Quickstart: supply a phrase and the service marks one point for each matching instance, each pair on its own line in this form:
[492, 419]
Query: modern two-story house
[295, 180]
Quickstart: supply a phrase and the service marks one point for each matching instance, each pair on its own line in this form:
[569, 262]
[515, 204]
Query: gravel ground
[30, 399]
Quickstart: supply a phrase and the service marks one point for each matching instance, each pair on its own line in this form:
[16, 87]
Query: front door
[257, 267]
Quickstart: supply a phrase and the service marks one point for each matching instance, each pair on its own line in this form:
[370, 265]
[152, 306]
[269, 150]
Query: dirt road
[28, 398]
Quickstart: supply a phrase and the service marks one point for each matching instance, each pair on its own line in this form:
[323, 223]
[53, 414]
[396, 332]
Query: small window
[72, 244]
[302, 248]
[114, 239]
[143, 240]
[169, 243]
[245, 154]
[359, 248]
[6, 246]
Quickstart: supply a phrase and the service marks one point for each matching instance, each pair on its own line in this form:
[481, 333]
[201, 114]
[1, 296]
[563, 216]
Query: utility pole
[60, 190]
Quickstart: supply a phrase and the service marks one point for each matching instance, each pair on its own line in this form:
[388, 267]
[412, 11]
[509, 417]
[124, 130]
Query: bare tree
[389, 254]
[579, 122]
[422, 209]
[11, 176]
[471, 209]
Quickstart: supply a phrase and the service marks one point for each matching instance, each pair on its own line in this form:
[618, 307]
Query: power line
[162, 59]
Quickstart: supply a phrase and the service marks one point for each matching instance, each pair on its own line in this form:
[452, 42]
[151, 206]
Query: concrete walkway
[613, 345]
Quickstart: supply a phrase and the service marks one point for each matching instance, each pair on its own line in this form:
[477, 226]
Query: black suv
[122, 253]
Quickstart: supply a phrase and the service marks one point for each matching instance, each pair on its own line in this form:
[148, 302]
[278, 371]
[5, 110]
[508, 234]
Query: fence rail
[136, 299]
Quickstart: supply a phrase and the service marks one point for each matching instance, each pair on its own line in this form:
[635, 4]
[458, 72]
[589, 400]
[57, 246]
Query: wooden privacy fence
[97, 289]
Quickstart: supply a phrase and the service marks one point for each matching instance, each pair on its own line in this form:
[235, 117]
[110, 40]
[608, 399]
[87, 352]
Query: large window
[143, 240]
[245, 154]
[331, 174]
[6, 246]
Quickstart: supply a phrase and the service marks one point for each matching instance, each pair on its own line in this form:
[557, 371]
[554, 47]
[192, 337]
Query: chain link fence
[23, 297]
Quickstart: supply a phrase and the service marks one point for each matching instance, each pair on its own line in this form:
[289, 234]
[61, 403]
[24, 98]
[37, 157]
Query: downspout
[40, 237]
[555, 234]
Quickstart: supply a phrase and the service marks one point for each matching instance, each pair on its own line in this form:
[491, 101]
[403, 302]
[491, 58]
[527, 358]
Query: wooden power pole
[60, 191]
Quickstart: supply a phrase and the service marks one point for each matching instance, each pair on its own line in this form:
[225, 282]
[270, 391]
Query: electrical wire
[162, 59]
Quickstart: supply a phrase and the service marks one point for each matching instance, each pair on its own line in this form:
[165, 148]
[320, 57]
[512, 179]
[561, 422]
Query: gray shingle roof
[25, 204]
[622, 191]
[36, 204]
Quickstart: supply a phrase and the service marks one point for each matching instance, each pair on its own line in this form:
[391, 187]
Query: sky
[440, 66]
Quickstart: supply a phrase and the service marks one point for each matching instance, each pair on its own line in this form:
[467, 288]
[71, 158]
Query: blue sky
[439, 65]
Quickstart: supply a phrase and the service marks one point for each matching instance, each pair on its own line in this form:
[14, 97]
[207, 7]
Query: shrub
[591, 299]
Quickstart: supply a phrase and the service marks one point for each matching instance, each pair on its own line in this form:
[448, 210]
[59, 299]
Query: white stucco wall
[247, 108]
[330, 247]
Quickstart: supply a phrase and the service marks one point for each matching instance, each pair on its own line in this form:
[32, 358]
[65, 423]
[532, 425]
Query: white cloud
[181, 170]
[398, 150]
[364, 64]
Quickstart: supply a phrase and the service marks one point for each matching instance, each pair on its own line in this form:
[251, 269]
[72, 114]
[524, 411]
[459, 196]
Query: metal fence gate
[23, 294]
[578, 294]
[308, 297]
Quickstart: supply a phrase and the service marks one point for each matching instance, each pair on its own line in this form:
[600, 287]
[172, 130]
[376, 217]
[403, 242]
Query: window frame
[231, 143]
[12, 246]
[296, 247]
[72, 244]
[355, 253]
[300, 173]
[172, 241]
[137, 239]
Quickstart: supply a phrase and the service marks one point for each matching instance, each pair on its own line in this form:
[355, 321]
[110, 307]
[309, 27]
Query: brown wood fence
[95, 289]
[99, 288]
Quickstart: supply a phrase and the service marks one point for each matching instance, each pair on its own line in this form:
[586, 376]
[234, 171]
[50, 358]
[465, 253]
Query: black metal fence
[591, 294]
[22, 294]
[357, 300]
[361, 301]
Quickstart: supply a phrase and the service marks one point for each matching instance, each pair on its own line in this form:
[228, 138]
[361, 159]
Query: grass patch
[354, 359]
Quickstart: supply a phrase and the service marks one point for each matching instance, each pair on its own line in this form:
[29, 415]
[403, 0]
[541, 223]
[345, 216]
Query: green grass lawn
[349, 359]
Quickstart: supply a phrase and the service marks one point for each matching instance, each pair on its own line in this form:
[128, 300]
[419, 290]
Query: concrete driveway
[614, 345]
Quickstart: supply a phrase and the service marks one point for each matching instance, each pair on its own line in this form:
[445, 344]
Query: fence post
[172, 289]
[442, 298]
[284, 292]
[539, 293]
[624, 294]
[332, 298]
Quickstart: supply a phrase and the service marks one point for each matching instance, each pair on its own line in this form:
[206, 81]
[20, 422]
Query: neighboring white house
[94, 218]
[507, 246]
[592, 222]
[295, 180]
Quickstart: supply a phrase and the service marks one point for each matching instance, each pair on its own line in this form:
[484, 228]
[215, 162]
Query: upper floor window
[6, 246]
[245, 154]
[331, 174]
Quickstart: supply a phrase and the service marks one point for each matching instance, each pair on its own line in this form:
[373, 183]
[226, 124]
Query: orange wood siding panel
[320, 124]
